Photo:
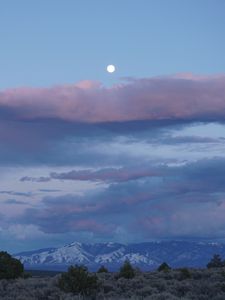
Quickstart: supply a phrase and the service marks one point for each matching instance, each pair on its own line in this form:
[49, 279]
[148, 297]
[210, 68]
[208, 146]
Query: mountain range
[146, 256]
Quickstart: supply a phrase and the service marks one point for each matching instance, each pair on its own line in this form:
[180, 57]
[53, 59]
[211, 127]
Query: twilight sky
[131, 156]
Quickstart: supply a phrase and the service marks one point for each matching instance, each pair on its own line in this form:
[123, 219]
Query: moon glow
[111, 68]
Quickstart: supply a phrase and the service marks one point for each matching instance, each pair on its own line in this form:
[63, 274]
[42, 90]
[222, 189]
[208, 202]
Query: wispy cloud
[13, 193]
[33, 179]
[106, 174]
[14, 201]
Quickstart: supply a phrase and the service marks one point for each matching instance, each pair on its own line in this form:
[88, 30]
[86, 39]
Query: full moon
[111, 68]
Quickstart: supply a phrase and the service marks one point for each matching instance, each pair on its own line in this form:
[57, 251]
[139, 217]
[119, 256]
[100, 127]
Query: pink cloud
[90, 225]
[185, 220]
[178, 97]
[109, 174]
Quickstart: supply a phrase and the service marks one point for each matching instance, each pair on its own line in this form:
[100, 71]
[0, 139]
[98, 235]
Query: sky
[130, 156]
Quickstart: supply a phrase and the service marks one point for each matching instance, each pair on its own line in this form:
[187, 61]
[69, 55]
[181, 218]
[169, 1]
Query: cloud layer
[169, 202]
[140, 160]
[181, 98]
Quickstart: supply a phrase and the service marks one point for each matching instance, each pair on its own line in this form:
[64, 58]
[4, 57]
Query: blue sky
[89, 156]
[50, 42]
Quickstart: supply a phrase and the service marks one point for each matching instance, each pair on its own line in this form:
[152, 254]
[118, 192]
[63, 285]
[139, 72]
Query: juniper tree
[10, 267]
[215, 262]
[127, 271]
[78, 280]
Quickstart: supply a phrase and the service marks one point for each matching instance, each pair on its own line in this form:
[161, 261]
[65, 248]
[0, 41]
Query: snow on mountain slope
[69, 254]
[112, 255]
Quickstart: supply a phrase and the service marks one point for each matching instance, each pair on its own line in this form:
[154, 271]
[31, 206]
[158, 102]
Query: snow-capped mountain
[143, 255]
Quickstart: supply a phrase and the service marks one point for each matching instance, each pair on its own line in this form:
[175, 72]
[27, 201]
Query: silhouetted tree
[78, 280]
[215, 262]
[127, 271]
[164, 267]
[102, 269]
[10, 267]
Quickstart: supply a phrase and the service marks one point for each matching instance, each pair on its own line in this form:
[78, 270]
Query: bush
[164, 267]
[10, 267]
[184, 274]
[127, 271]
[102, 269]
[215, 262]
[77, 280]
[26, 275]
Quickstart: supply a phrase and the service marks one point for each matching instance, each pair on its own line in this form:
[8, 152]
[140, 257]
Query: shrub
[26, 275]
[10, 267]
[127, 271]
[77, 280]
[107, 287]
[215, 262]
[102, 269]
[164, 267]
[184, 274]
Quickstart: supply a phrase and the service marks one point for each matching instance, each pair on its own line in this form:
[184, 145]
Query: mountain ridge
[146, 255]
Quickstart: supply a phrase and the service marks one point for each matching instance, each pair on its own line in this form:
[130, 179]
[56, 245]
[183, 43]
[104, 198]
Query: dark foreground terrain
[195, 284]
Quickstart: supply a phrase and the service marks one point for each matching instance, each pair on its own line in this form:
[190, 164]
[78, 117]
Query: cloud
[126, 137]
[13, 193]
[14, 201]
[173, 140]
[65, 214]
[49, 190]
[106, 174]
[176, 98]
[148, 206]
[22, 232]
[202, 220]
[33, 179]
[157, 169]
[68, 124]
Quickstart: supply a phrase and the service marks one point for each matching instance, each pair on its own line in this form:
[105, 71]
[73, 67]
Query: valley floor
[186, 284]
